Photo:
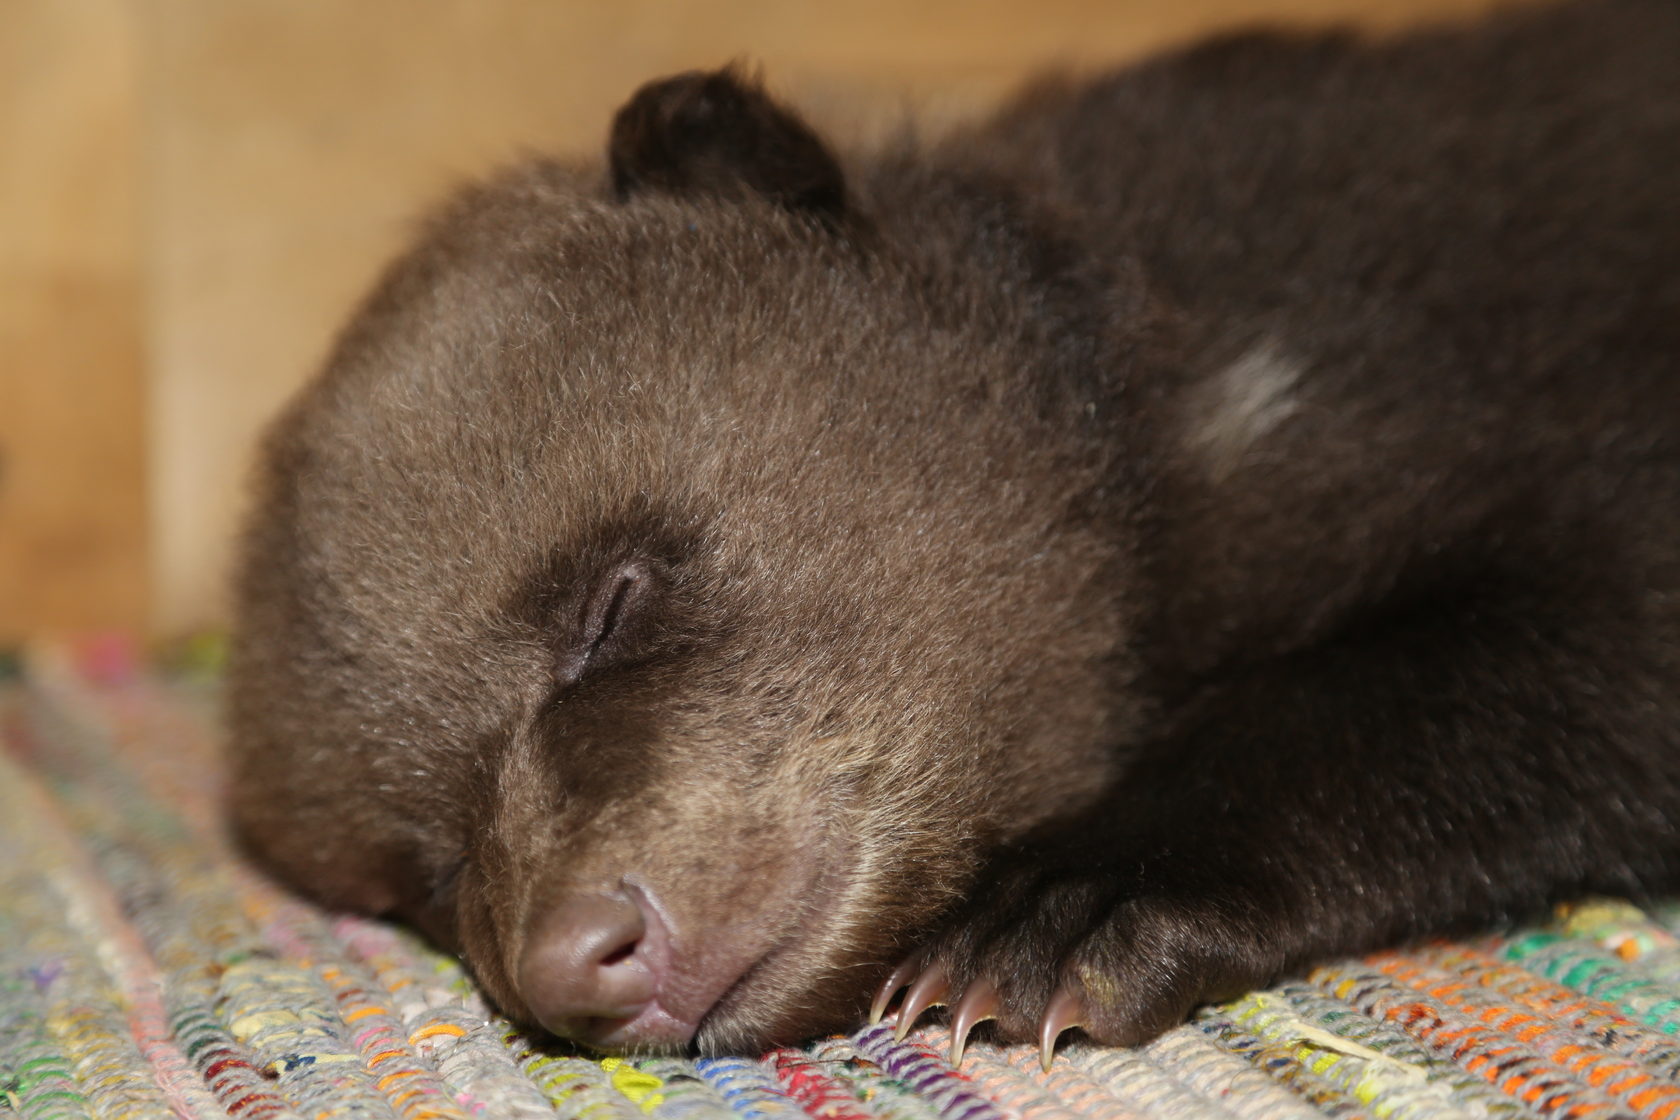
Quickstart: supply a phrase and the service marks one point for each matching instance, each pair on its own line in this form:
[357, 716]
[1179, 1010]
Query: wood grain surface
[73, 525]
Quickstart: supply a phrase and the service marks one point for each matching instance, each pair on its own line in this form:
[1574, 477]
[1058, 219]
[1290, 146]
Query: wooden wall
[73, 500]
[192, 192]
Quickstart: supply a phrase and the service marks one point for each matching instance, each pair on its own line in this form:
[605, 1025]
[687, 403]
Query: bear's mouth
[714, 1023]
[670, 982]
[655, 1028]
[752, 1010]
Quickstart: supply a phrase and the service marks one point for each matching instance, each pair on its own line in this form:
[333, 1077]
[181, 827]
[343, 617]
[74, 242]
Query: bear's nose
[585, 971]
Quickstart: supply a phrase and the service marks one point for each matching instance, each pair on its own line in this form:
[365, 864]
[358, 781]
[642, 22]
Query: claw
[977, 1005]
[888, 989]
[929, 990]
[1065, 1012]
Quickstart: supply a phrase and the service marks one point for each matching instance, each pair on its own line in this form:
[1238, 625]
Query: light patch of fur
[1241, 404]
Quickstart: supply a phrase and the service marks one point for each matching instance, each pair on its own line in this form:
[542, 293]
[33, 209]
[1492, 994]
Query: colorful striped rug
[145, 971]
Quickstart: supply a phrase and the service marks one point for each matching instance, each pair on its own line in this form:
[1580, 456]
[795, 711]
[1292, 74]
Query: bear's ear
[719, 133]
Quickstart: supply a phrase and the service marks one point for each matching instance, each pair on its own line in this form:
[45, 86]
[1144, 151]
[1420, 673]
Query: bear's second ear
[719, 133]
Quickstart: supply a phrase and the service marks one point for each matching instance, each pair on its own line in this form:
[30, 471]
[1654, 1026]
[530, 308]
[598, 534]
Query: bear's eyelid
[607, 610]
[610, 606]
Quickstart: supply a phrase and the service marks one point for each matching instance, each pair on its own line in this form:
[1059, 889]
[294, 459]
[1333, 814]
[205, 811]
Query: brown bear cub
[1201, 520]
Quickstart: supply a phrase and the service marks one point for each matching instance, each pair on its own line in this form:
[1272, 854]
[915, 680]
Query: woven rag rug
[146, 970]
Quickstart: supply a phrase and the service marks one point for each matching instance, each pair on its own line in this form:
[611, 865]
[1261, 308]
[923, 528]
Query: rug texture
[146, 971]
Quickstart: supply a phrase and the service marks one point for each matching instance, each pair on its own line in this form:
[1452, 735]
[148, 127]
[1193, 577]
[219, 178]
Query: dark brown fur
[1203, 519]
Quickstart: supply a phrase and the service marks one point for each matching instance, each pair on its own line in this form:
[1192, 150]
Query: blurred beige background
[192, 192]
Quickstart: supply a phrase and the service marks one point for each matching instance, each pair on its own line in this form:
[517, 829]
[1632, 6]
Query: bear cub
[1198, 520]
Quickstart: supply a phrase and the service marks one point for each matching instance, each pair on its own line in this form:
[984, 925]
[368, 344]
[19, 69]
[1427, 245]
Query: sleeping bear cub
[1197, 521]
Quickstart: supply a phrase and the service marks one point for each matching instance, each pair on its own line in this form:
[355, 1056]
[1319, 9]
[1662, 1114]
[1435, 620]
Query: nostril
[584, 970]
[622, 953]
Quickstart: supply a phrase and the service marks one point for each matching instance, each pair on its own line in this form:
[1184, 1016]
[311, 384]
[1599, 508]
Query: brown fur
[1207, 517]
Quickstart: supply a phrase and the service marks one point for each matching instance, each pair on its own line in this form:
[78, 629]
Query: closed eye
[629, 578]
[609, 615]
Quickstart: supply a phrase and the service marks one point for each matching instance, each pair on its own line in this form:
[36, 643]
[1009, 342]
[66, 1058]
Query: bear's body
[1201, 520]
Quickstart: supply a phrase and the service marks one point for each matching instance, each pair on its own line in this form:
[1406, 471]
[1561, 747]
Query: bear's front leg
[1465, 762]
[1123, 946]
